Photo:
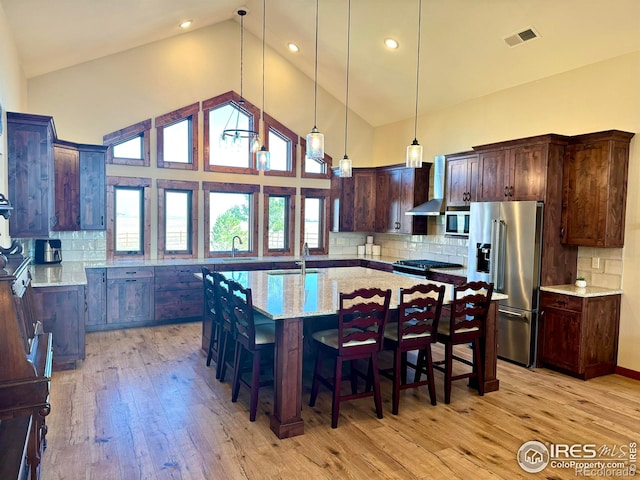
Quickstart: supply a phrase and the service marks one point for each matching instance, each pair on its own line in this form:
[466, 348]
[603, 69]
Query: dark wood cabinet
[353, 201]
[178, 293]
[579, 335]
[595, 189]
[66, 160]
[61, 309]
[400, 189]
[30, 174]
[462, 179]
[130, 296]
[96, 298]
[93, 190]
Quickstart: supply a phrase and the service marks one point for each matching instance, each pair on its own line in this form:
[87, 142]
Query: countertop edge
[585, 292]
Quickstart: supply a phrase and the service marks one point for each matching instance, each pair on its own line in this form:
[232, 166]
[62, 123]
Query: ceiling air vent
[521, 37]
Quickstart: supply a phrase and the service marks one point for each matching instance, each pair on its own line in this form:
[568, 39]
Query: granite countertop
[585, 292]
[458, 272]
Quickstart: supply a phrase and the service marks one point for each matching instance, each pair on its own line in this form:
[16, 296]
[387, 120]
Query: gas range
[421, 268]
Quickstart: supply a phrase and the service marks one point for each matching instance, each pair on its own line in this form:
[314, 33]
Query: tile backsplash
[85, 245]
[601, 267]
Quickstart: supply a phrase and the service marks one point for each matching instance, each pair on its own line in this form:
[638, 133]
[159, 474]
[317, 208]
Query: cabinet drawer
[134, 272]
[566, 302]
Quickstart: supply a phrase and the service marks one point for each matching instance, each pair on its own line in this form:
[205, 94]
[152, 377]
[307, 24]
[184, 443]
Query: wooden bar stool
[358, 336]
[416, 329]
[465, 325]
[211, 281]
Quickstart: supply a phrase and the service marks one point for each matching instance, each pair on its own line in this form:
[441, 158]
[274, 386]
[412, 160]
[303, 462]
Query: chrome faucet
[233, 245]
[303, 262]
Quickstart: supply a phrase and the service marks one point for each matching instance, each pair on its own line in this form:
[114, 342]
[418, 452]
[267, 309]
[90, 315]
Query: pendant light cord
[346, 109]
[315, 102]
[241, 50]
[264, 24]
[415, 125]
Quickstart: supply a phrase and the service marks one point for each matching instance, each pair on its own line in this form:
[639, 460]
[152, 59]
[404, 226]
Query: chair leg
[255, 385]
[430, 376]
[214, 344]
[376, 384]
[237, 367]
[397, 361]
[335, 404]
[477, 366]
[448, 372]
[222, 355]
[403, 370]
[315, 384]
[419, 366]
[354, 376]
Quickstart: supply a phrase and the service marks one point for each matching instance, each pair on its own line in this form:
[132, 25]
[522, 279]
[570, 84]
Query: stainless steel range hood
[435, 206]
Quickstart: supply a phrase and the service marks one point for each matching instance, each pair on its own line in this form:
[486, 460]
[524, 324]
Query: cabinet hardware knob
[506, 191]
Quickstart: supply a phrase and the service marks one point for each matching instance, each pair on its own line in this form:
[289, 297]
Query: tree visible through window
[277, 223]
[229, 216]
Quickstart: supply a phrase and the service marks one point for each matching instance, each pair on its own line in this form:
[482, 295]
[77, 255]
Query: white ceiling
[463, 54]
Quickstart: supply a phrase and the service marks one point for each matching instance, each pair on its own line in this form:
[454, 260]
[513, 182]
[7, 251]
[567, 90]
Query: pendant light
[315, 139]
[236, 134]
[345, 163]
[414, 151]
[263, 157]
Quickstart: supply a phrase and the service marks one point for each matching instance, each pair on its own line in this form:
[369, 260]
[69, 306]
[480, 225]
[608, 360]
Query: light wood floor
[144, 405]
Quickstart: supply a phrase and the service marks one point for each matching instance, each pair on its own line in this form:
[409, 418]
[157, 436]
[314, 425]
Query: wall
[13, 97]
[597, 97]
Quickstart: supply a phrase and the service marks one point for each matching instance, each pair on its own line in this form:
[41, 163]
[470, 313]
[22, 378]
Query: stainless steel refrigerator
[505, 241]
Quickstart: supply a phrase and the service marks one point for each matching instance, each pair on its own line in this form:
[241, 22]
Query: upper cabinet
[400, 189]
[53, 184]
[462, 179]
[595, 189]
[353, 201]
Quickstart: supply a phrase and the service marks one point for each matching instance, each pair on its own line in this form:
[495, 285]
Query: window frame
[271, 123]
[190, 114]
[248, 108]
[128, 182]
[178, 186]
[140, 129]
[328, 161]
[325, 195]
[245, 188]
[290, 208]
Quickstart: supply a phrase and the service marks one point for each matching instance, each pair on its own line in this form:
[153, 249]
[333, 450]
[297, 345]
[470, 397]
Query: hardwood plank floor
[143, 405]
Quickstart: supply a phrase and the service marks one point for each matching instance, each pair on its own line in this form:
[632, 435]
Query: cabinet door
[407, 194]
[67, 188]
[130, 295]
[92, 190]
[96, 297]
[389, 184]
[462, 180]
[527, 172]
[364, 201]
[493, 176]
[560, 338]
[61, 311]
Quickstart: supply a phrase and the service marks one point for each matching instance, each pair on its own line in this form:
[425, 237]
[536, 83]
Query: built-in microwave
[457, 223]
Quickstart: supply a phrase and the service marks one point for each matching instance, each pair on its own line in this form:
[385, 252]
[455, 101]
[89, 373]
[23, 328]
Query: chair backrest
[469, 308]
[225, 302]
[243, 324]
[419, 313]
[362, 317]
[211, 281]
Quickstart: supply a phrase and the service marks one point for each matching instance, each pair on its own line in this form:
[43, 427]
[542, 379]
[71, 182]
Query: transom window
[314, 219]
[279, 211]
[129, 148]
[130, 145]
[177, 219]
[177, 140]
[281, 143]
[230, 211]
[128, 206]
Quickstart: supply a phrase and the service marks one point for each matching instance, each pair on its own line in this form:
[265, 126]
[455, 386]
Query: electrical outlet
[595, 262]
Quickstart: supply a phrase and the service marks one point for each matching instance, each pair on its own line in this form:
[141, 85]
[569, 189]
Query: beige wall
[598, 97]
[13, 97]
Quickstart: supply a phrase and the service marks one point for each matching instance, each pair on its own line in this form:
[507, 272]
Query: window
[230, 210]
[177, 140]
[223, 154]
[128, 231]
[177, 219]
[314, 168]
[279, 208]
[130, 145]
[314, 219]
[281, 143]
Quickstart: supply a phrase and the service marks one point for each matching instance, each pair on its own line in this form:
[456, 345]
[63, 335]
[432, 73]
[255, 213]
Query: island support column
[489, 352]
[286, 420]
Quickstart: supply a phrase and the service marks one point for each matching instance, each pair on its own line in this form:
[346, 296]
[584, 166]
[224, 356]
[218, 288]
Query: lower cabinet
[130, 296]
[579, 335]
[96, 298]
[62, 312]
[178, 293]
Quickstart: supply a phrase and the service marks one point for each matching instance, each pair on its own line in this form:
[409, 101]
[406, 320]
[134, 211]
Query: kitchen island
[288, 297]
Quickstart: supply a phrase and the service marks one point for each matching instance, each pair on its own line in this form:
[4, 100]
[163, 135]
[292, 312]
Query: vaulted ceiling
[463, 52]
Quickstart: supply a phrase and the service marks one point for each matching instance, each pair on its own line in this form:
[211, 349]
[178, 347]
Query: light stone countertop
[585, 292]
[281, 294]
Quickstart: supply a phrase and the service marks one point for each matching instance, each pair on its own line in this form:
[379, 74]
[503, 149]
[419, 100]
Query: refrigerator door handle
[493, 256]
[497, 252]
[512, 314]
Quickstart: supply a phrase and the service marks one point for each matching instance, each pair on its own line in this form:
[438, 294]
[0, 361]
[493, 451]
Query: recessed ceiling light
[391, 43]
[185, 24]
[293, 47]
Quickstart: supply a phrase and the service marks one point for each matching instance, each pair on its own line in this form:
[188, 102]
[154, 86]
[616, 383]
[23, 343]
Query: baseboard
[626, 372]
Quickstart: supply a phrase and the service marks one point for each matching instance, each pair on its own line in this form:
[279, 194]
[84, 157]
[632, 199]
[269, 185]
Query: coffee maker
[48, 251]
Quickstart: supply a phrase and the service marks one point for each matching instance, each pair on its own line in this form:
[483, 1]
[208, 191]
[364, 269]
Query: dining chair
[252, 339]
[416, 329]
[211, 281]
[362, 317]
[465, 325]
